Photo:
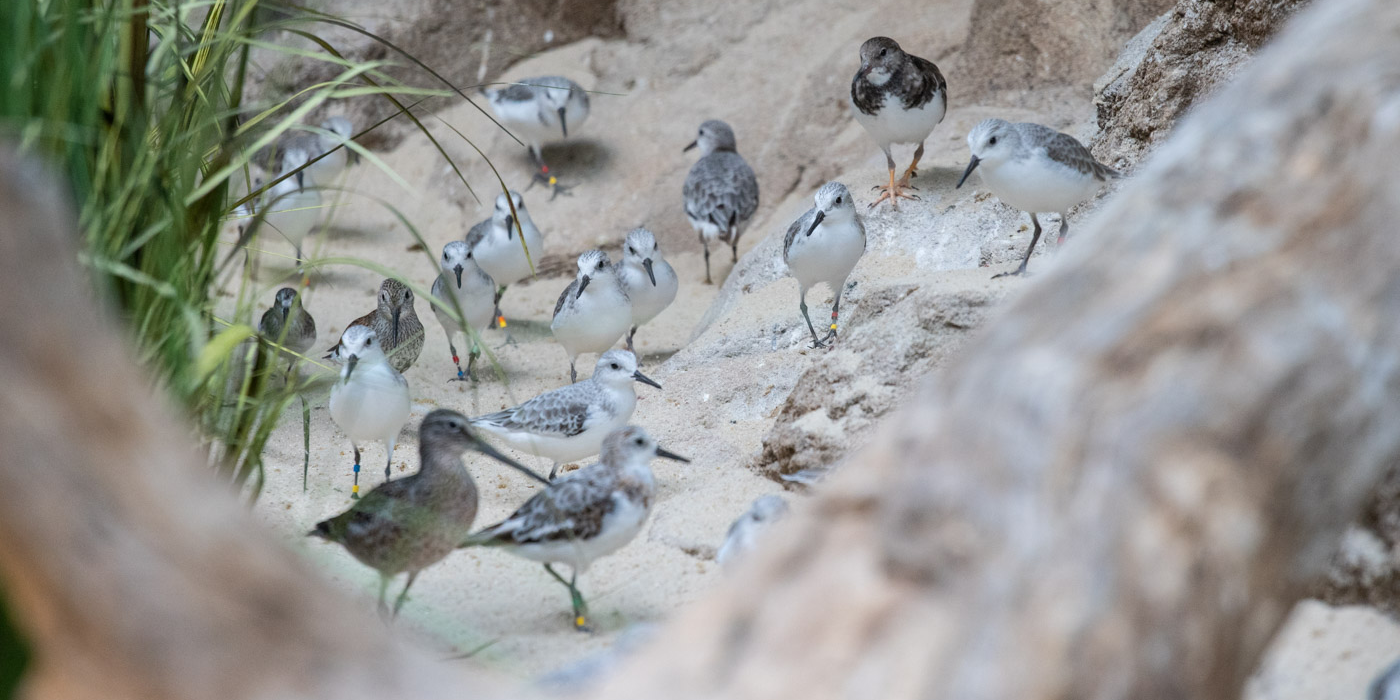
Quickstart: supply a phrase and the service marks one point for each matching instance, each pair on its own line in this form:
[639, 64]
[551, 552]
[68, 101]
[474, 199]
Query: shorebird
[650, 282]
[744, 534]
[412, 523]
[823, 245]
[497, 248]
[899, 98]
[585, 515]
[463, 288]
[1035, 169]
[291, 206]
[370, 400]
[593, 312]
[721, 192]
[288, 325]
[540, 110]
[569, 423]
[395, 324]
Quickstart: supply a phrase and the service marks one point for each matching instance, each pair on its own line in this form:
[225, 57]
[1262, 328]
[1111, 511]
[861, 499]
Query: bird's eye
[639, 441]
[838, 201]
[408, 295]
[631, 250]
[882, 52]
[614, 366]
[992, 141]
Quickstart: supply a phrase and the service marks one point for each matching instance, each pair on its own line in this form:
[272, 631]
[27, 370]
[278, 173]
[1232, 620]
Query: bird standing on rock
[1034, 168]
[584, 515]
[899, 98]
[395, 323]
[412, 523]
[823, 245]
[721, 191]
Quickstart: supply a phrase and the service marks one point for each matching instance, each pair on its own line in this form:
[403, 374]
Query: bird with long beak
[407, 525]
[570, 423]
[824, 245]
[288, 327]
[395, 324]
[898, 98]
[499, 250]
[370, 401]
[464, 302]
[584, 515]
[593, 312]
[537, 111]
[650, 282]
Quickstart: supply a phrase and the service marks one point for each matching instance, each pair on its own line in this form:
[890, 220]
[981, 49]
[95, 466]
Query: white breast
[1038, 184]
[372, 406]
[291, 212]
[892, 123]
[828, 255]
[649, 300]
[502, 258]
[597, 320]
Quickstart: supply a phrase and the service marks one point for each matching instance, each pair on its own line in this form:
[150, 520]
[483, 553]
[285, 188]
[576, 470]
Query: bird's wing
[515, 93]
[922, 83]
[271, 324]
[383, 509]
[721, 189]
[559, 413]
[564, 296]
[797, 228]
[367, 320]
[571, 508]
[477, 233]
[1065, 149]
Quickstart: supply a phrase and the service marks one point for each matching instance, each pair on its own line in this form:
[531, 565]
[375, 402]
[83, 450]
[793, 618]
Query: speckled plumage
[721, 191]
[898, 98]
[395, 324]
[288, 324]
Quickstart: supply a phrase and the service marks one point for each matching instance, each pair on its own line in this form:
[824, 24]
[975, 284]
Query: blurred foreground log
[1117, 492]
[1121, 488]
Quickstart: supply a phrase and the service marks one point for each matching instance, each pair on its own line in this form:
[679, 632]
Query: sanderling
[292, 206]
[413, 523]
[289, 326]
[899, 98]
[463, 280]
[593, 312]
[539, 110]
[585, 515]
[1035, 169]
[569, 423]
[649, 280]
[823, 245]
[721, 192]
[395, 324]
[497, 250]
[745, 532]
[370, 400]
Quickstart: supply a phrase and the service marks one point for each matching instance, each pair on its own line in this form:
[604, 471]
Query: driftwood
[1116, 492]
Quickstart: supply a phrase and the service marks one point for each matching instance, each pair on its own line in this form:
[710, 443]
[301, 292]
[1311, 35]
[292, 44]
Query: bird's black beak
[354, 156]
[971, 166]
[816, 221]
[301, 179]
[582, 285]
[510, 227]
[350, 363]
[667, 454]
[647, 264]
[396, 322]
[645, 379]
[286, 311]
[563, 123]
[864, 71]
[458, 270]
[481, 446]
[693, 144]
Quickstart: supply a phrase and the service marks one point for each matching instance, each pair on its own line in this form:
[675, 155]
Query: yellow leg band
[833, 326]
[579, 621]
[355, 488]
[501, 321]
[553, 180]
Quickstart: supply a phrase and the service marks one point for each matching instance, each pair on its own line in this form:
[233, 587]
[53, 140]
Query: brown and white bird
[899, 98]
[407, 525]
[395, 324]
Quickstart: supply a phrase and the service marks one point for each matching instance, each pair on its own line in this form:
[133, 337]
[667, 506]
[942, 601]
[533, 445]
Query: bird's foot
[894, 192]
[581, 624]
[544, 177]
[1018, 272]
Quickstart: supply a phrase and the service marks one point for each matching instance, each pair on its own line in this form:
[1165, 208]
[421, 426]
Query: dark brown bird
[412, 523]
[395, 324]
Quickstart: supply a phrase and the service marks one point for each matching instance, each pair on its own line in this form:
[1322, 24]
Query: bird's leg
[802, 303]
[573, 373]
[461, 376]
[383, 604]
[575, 598]
[734, 246]
[355, 489]
[706, 244]
[403, 595]
[913, 168]
[390, 461]
[544, 177]
[471, 360]
[553, 470]
[835, 312]
[1064, 229]
[895, 190]
[1034, 238]
[629, 339]
[501, 317]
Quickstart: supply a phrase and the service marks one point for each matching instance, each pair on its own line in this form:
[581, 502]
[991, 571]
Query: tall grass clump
[138, 104]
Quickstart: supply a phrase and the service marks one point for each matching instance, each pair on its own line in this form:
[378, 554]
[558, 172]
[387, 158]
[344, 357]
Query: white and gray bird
[538, 111]
[721, 191]
[585, 515]
[899, 98]
[495, 243]
[823, 245]
[650, 282]
[330, 149]
[370, 401]
[291, 207]
[593, 312]
[1035, 169]
[569, 423]
[748, 529]
[463, 288]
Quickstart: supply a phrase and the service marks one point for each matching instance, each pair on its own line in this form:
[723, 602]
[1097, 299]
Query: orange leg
[895, 190]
